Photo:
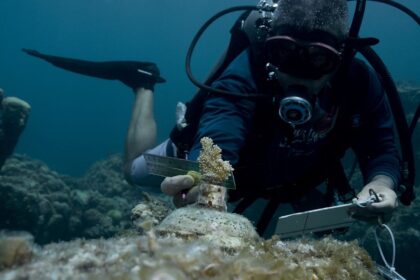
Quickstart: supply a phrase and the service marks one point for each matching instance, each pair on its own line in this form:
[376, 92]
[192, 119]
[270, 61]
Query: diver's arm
[376, 149]
[141, 134]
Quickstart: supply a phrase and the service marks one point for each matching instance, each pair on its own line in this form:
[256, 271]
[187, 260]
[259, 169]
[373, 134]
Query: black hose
[414, 121]
[197, 36]
[408, 165]
[357, 19]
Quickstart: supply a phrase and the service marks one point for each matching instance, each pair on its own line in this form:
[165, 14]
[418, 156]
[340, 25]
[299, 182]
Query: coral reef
[54, 207]
[145, 257]
[35, 199]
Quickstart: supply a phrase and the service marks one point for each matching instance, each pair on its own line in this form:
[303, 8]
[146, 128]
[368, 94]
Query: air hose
[193, 44]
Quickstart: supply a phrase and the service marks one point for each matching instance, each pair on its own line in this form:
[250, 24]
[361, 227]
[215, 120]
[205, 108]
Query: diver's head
[304, 48]
[329, 16]
[307, 37]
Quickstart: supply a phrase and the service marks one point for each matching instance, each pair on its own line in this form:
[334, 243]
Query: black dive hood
[265, 9]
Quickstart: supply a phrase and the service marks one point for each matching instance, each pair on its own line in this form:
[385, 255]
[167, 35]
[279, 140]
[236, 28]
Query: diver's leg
[141, 134]
[139, 173]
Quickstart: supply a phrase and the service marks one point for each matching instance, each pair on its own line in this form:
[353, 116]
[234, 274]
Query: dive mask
[307, 60]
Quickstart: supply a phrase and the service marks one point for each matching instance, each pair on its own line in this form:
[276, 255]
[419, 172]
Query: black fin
[125, 71]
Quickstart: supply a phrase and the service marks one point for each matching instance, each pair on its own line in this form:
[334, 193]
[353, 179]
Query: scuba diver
[284, 147]
[285, 103]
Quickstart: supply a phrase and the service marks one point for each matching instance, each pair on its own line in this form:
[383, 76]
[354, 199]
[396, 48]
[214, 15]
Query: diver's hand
[181, 188]
[383, 186]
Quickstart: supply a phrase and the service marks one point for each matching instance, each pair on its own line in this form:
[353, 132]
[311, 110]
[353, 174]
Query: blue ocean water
[77, 120]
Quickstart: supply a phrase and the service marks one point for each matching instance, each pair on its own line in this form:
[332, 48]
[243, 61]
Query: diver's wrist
[384, 180]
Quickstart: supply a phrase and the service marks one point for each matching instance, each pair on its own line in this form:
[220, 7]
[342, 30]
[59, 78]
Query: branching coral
[214, 172]
[213, 169]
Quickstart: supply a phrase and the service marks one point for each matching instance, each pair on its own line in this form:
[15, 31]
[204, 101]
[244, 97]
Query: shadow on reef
[54, 207]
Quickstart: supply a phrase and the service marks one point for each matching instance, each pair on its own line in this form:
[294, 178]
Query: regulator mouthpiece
[295, 110]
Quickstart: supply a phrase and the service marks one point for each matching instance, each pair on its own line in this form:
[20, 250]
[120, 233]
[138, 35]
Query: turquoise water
[77, 120]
